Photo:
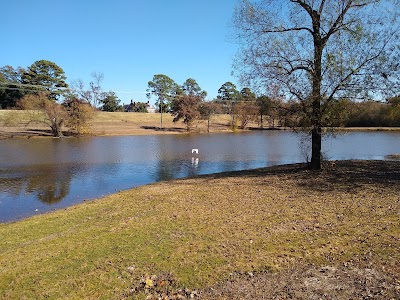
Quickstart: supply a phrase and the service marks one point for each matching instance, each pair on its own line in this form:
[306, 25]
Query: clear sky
[128, 41]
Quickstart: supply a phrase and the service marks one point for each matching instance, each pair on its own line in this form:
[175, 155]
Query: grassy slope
[202, 229]
[117, 123]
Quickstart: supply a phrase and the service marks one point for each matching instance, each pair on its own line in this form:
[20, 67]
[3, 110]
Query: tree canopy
[110, 102]
[186, 104]
[191, 87]
[164, 89]
[10, 86]
[247, 95]
[227, 92]
[48, 76]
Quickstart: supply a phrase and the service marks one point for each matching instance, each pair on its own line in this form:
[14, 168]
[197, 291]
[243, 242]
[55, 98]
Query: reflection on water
[49, 184]
[44, 174]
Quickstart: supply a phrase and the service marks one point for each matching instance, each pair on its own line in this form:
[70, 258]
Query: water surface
[38, 175]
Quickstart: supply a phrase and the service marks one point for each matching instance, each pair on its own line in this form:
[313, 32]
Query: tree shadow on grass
[352, 175]
[342, 175]
[30, 133]
[169, 129]
[25, 133]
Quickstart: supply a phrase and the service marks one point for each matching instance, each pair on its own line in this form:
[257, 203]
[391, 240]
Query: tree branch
[321, 7]
[335, 27]
[292, 66]
[353, 72]
[338, 22]
[282, 30]
[304, 5]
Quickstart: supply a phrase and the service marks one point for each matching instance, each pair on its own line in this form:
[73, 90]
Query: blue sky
[128, 41]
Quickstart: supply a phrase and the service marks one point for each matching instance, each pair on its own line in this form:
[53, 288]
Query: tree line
[48, 78]
[41, 89]
[187, 102]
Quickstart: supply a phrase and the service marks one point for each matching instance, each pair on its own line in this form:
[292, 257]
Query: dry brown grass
[16, 123]
[276, 233]
[120, 123]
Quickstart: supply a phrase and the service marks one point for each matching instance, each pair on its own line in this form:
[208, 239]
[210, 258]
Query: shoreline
[275, 228]
[327, 166]
[28, 133]
[15, 124]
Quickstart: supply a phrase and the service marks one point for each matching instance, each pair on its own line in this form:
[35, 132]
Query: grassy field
[121, 123]
[15, 123]
[276, 233]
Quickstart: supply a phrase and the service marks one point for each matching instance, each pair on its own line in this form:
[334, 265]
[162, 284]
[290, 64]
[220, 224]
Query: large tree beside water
[318, 52]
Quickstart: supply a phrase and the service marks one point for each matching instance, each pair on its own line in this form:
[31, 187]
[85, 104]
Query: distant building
[129, 107]
[151, 108]
[139, 107]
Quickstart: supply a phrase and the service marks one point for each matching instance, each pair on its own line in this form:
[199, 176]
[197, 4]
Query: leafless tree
[92, 94]
[318, 51]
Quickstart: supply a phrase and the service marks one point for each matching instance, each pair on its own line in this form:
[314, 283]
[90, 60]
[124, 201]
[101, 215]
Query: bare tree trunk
[56, 128]
[316, 134]
[161, 109]
[316, 142]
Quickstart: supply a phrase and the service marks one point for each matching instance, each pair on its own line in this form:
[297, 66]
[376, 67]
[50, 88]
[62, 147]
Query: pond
[39, 175]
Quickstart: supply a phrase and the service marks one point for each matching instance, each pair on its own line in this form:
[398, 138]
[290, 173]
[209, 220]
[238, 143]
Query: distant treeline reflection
[50, 184]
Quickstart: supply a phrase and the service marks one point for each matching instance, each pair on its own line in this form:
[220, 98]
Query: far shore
[14, 125]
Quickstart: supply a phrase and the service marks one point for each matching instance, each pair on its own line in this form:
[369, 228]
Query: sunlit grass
[18, 118]
[118, 123]
[144, 123]
[17, 123]
[200, 230]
